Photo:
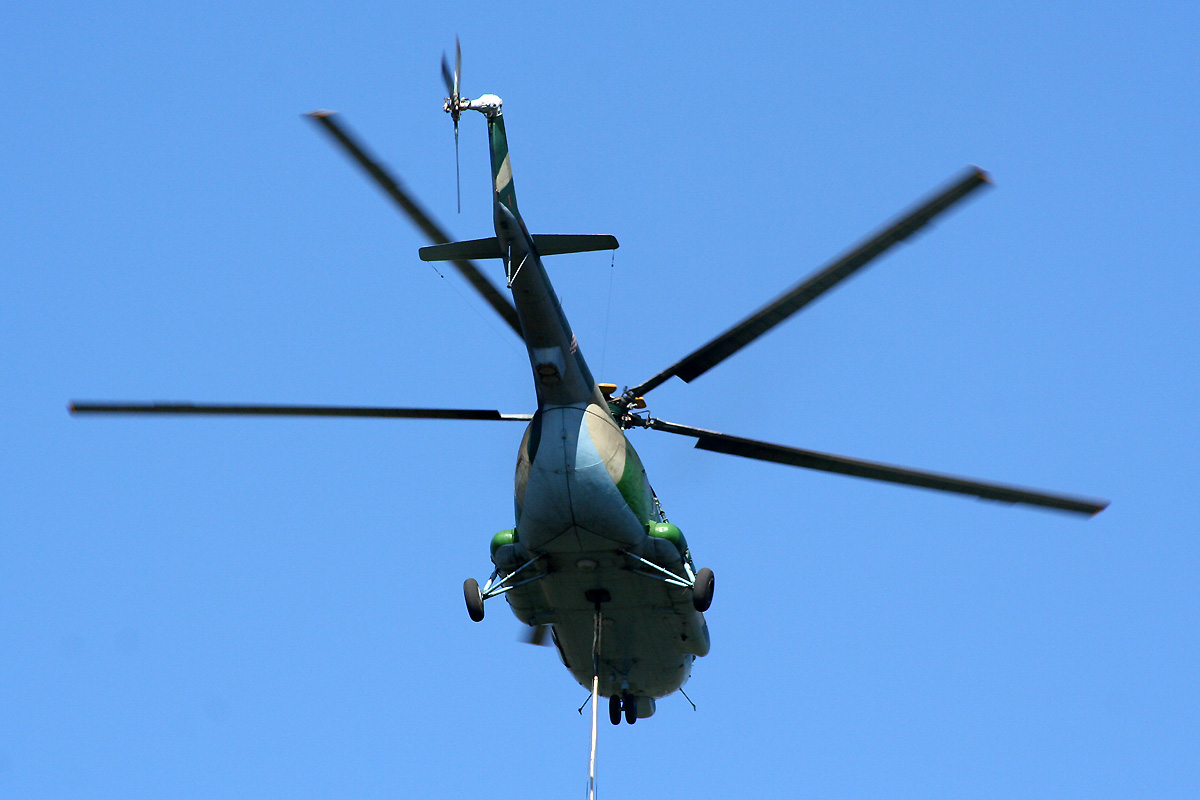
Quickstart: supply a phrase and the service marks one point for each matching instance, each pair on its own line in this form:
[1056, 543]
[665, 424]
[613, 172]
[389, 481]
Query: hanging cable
[608, 311]
[487, 319]
[595, 704]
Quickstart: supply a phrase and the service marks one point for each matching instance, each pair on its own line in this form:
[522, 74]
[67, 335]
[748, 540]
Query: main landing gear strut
[497, 584]
[701, 583]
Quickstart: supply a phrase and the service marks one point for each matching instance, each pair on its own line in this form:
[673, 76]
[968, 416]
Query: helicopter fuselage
[588, 524]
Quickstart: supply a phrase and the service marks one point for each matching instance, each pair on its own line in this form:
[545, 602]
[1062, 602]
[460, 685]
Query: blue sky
[272, 608]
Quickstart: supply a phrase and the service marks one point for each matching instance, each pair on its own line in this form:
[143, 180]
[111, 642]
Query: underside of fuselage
[649, 636]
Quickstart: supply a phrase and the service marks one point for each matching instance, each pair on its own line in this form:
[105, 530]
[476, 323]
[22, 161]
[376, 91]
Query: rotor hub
[621, 407]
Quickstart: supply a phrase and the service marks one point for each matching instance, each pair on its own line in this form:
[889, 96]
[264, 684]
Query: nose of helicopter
[580, 487]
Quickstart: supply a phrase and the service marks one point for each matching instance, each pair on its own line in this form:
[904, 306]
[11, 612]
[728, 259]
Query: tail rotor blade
[457, 64]
[452, 81]
[453, 84]
[452, 107]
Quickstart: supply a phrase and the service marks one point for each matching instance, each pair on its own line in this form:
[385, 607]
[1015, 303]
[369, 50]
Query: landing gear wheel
[474, 599]
[629, 702]
[614, 709]
[702, 589]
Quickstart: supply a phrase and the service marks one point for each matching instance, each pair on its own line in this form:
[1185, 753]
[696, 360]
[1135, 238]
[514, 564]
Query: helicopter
[592, 558]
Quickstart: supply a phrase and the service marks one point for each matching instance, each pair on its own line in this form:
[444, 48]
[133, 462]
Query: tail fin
[502, 180]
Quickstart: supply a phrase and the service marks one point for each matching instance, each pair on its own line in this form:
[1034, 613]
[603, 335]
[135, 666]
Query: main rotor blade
[448, 79]
[794, 456]
[220, 409]
[418, 215]
[537, 635]
[814, 286]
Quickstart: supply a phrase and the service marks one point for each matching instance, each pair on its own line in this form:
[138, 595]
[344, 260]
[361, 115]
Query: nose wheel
[619, 703]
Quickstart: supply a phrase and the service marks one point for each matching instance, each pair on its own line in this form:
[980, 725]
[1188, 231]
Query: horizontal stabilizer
[468, 250]
[554, 244]
[547, 244]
